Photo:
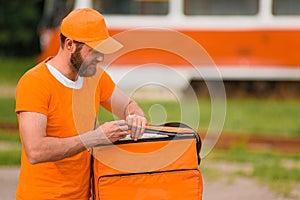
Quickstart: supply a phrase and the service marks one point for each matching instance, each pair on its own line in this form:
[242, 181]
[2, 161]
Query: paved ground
[236, 189]
[8, 182]
[239, 189]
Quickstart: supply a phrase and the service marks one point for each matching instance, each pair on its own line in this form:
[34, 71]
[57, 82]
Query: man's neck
[63, 66]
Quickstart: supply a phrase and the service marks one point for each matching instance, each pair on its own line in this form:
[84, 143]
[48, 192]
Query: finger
[123, 133]
[144, 122]
[121, 122]
[129, 121]
[141, 128]
[138, 128]
[124, 127]
[134, 128]
[119, 135]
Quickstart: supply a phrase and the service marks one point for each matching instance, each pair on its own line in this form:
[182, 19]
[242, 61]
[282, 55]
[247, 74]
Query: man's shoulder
[36, 76]
[39, 72]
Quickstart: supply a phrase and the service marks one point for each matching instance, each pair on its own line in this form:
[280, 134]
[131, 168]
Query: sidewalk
[8, 182]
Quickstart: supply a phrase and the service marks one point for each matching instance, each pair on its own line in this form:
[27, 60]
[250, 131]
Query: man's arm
[41, 148]
[125, 108]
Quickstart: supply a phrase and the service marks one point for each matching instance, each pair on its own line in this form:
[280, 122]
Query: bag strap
[93, 195]
[168, 129]
[93, 189]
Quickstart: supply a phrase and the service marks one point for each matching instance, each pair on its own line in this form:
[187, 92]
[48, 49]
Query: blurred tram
[255, 44]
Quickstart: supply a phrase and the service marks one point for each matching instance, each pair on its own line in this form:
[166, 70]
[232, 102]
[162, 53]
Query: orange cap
[88, 26]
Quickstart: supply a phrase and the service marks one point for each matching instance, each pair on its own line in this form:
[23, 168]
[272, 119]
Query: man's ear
[70, 45]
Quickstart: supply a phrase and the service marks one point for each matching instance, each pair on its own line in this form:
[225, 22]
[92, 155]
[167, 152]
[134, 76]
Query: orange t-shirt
[69, 112]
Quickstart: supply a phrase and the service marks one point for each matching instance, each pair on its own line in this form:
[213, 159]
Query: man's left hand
[137, 125]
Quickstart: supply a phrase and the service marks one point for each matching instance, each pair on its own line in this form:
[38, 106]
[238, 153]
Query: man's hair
[63, 39]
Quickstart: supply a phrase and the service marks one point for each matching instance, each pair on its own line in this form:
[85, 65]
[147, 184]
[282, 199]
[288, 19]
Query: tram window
[286, 7]
[220, 7]
[134, 7]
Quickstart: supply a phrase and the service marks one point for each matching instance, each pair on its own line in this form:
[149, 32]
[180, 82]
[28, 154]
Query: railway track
[254, 142]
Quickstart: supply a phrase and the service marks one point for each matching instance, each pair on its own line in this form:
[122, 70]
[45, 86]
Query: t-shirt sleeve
[32, 95]
[106, 85]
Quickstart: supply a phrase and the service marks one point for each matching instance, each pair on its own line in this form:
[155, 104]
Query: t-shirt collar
[64, 80]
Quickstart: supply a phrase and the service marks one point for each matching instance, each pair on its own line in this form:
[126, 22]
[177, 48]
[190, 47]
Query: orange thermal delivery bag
[161, 165]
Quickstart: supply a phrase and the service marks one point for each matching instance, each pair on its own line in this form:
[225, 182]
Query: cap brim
[107, 46]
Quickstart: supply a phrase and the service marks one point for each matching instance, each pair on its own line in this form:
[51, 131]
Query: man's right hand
[113, 131]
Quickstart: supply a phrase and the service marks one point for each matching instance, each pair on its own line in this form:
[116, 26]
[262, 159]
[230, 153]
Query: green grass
[263, 117]
[241, 154]
[7, 107]
[281, 172]
[10, 157]
[278, 177]
[11, 136]
[10, 148]
[11, 69]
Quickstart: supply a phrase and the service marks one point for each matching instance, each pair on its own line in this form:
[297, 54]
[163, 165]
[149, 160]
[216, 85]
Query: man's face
[85, 60]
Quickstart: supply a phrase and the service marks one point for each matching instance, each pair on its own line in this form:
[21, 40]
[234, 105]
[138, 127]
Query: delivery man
[57, 104]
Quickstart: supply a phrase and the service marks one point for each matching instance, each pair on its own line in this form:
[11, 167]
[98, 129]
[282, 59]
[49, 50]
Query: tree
[18, 27]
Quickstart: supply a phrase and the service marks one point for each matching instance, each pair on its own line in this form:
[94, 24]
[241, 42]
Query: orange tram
[254, 44]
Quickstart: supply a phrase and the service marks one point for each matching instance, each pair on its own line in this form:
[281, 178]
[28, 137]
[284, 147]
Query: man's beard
[84, 69]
